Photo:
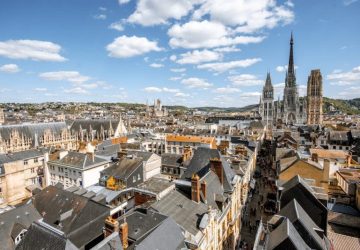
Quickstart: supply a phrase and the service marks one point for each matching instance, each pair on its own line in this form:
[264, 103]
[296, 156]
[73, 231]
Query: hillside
[351, 107]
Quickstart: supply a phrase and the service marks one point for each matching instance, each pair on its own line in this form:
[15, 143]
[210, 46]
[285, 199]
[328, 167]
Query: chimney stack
[216, 166]
[111, 225]
[315, 157]
[195, 188]
[186, 153]
[203, 189]
[124, 233]
[122, 154]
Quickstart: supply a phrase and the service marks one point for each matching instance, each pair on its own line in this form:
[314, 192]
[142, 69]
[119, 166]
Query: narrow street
[260, 204]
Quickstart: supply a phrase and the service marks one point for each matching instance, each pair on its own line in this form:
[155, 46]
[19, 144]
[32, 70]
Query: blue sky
[186, 52]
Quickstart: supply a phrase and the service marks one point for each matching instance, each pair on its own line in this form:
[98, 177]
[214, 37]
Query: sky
[185, 52]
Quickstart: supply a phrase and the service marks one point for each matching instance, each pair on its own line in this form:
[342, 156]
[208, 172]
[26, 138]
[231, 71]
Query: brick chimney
[315, 157]
[195, 188]
[216, 166]
[111, 225]
[124, 233]
[186, 153]
[122, 154]
[203, 189]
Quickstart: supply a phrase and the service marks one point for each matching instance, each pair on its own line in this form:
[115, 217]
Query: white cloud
[199, 56]
[283, 68]
[221, 67]
[158, 90]
[206, 34]
[125, 46]
[123, 1]
[152, 12]
[102, 8]
[194, 82]
[156, 65]
[178, 70]
[175, 78]
[226, 90]
[40, 89]
[250, 94]
[31, 49]
[100, 16]
[76, 90]
[245, 80]
[10, 68]
[181, 94]
[345, 78]
[247, 16]
[70, 76]
[227, 49]
[117, 26]
[348, 2]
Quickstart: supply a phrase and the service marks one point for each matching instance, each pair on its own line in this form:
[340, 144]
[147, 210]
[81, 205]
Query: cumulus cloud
[70, 76]
[117, 26]
[227, 49]
[345, 78]
[153, 89]
[206, 34]
[199, 56]
[31, 49]
[226, 90]
[123, 1]
[129, 46]
[247, 16]
[153, 12]
[178, 70]
[100, 16]
[181, 94]
[10, 68]
[283, 68]
[221, 67]
[194, 82]
[76, 90]
[245, 80]
[156, 65]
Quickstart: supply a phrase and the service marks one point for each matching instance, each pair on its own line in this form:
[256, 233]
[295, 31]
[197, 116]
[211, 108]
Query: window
[138, 177]
[36, 160]
[32, 170]
[134, 178]
[25, 162]
[34, 180]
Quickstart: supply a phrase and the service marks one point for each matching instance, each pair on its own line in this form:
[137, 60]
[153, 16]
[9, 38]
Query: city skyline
[192, 53]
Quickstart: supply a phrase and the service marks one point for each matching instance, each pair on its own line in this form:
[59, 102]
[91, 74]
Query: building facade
[266, 108]
[314, 98]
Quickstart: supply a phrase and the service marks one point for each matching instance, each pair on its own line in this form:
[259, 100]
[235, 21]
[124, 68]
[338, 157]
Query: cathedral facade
[292, 109]
[314, 98]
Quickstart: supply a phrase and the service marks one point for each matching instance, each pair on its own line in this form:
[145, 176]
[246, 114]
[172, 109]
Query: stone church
[292, 109]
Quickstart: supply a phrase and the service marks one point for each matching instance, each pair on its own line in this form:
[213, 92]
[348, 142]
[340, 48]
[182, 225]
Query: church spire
[290, 74]
[268, 80]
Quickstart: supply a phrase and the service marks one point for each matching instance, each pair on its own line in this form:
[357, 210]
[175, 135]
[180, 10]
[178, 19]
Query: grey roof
[156, 185]
[167, 235]
[95, 124]
[303, 223]
[78, 217]
[200, 164]
[39, 237]
[213, 188]
[110, 151]
[109, 243]
[79, 160]
[184, 211]
[23, 215]
[345, 209]
[123, 168]
[32, 131]
[143, 154]
[22, 155]
[286, 232]
[169, 159]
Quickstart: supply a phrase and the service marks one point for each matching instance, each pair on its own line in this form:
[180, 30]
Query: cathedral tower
[314, 98]
[267, 103]
[291, 96]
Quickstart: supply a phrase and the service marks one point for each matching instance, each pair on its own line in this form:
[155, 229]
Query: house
[127, 172]
[20, 173]
[172, 165]
[340, 140]
[15, 223]
[72, 168]
[176, 143]
[151, 162]
[75, 219]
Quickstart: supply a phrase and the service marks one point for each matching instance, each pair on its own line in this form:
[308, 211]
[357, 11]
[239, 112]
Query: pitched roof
[79, 160]
[340, 240]
[123, 168]
[95, 124]
[169, 159]
[329, 153]
[190, 138]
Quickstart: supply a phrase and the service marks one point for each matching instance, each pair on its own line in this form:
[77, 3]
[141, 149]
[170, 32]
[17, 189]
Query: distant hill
[248, 108]
[351, 107]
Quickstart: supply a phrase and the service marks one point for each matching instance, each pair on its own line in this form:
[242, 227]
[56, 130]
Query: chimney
[124, 232]
[91, 155]
[122, 154]
[315, 157]
[186, 153]
[195, 188]
[216, 166]
[111, 225]
[203, 189]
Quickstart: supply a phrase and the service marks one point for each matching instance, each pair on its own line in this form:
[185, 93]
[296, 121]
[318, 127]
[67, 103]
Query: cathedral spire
[268, 80]
[290, 80]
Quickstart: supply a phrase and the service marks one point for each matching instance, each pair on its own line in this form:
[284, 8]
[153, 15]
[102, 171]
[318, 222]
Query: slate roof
[200, 164]
[213, 188]
[123, 168]
[85, 219]
[95, 124]
[143, 154]
[109, 243]
[32, 131]
[286, 231]
[303, 223]
[169, 159]
[22, 215]
[182, 210]
[79, 160]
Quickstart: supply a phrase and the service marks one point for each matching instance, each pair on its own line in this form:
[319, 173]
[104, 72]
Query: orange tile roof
[329, 153]
[190, 138]
[119, 140]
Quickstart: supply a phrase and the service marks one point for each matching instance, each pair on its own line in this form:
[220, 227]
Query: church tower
[267, 103]
[314, 98]
[291, 95]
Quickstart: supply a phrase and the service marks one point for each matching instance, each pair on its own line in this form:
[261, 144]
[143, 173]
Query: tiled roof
[190, 138]
[340, 240]
[329, 153]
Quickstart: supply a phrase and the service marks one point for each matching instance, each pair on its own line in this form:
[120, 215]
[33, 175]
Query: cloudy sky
[186, 52]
